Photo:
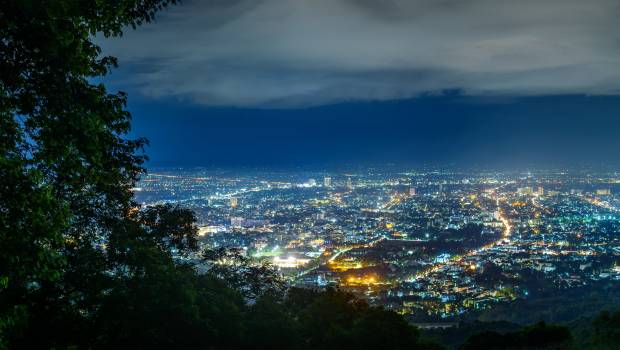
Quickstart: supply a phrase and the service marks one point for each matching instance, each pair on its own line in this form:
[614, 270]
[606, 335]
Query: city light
[427, 249]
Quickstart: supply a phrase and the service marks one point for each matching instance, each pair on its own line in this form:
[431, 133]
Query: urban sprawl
[432, 244]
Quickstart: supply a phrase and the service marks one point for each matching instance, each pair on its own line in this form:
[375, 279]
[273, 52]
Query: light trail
[506, 235]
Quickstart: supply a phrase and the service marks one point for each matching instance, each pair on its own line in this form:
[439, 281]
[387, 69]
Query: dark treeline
[81, 266]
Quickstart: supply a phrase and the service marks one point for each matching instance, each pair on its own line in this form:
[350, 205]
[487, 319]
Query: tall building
[327, 181]
[234, 202]
[312, 182]
[349, 183]
[412, 191]
[540, 191]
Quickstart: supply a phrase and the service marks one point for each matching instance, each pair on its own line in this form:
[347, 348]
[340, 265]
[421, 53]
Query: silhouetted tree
[251, 278]
[270, 325]
[338, 320]
[66, 166]
[538, 336]
[171, 308]
[606, 331]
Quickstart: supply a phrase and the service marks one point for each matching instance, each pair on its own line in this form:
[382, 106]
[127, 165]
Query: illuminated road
[506, 235]
[391, 203]
[361, 245]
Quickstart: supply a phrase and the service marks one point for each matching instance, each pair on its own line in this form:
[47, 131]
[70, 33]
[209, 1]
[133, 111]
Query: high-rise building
[349, 183]
[312, 182]
[412, 191]
[540, 191]
[327, 181]
[234, 202]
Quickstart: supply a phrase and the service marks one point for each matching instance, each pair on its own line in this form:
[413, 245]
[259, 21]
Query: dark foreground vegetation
[82, 267]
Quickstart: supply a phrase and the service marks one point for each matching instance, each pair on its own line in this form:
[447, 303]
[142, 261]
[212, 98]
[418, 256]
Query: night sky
[325, 83]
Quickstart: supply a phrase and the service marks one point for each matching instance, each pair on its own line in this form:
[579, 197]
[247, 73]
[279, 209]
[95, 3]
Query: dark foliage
[605, 331]
[538, 336]
[66, 168]
[453, 337]
[253, 280]
[328, 319]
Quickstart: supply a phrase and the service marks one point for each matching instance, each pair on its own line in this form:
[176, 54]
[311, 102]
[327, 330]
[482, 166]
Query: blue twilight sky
[331, 82]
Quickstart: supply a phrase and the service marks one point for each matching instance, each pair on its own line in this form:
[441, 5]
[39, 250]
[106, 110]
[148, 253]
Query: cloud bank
[295, 53]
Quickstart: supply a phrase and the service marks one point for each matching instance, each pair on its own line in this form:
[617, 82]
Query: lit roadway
[457, 258]
[388, 205]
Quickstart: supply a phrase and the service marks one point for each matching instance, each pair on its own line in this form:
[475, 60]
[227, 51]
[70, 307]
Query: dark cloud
[312, 52]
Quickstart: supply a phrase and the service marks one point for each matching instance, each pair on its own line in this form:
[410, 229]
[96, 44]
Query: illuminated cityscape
[310, 174]
[429, 244]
